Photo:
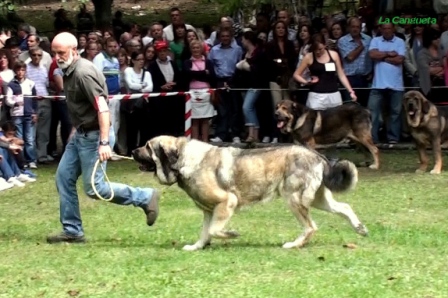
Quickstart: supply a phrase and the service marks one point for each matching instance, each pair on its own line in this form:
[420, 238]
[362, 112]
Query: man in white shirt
[33, 41]
[176, 18]
[38, 73]
[107, 63]
[155, 33]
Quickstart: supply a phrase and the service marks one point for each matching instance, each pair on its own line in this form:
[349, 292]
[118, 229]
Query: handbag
[129, 106]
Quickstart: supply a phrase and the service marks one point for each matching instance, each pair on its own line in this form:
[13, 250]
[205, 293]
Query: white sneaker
[33, 165]
[274, 141]
[216, 140]
[50, 158]
[5, 185]
[266, 140]
[236, 140]
[25, 178]
[16, 182]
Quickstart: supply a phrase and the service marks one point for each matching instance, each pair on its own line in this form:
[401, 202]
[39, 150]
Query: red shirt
[53, 67]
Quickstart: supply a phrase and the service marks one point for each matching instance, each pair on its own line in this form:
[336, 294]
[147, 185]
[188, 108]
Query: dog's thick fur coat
[222, 180]
[311, 127]
[428, 127]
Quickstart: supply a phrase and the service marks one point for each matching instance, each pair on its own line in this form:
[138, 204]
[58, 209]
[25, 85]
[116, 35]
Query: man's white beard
[66, 64]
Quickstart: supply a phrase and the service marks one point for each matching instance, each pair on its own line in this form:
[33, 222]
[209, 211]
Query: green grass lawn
[405, 254]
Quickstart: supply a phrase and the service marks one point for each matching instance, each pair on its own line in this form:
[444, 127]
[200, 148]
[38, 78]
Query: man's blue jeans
[80, 157]
[8, 165]
[26, 131]
[394, 99]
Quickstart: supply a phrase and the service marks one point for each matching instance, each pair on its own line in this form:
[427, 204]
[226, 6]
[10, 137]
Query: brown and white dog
[428, 127]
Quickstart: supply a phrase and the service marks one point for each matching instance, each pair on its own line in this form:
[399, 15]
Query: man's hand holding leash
[104, 150]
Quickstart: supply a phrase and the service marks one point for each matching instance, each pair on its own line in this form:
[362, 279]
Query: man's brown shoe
[63, 237]
[152, 208]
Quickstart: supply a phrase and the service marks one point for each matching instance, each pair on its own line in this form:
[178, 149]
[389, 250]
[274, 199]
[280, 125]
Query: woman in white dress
[201, 77]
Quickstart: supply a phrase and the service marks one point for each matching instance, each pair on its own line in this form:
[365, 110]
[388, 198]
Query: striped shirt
[39, 75]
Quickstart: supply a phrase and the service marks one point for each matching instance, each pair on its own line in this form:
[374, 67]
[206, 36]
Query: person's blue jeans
[8, 165]
[80, 157]
[26, 131]
[249, 111]
[394, 99]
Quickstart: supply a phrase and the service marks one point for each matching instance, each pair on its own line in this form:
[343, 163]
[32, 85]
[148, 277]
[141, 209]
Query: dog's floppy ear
[425, 106]
[296, 109]
[169, 155]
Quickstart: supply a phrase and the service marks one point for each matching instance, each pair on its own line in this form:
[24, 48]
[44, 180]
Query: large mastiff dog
[311, 127]
[222, 180]
[428, 127]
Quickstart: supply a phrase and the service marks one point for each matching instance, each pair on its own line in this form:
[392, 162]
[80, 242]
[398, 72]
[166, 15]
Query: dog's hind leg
[367, 142]
[221, 216]
[325, 201]
[437, 151]
[299, 207]
[205, 238]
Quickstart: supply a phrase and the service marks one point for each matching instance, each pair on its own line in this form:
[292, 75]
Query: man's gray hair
[132, 42]
[25, 28]
[35, 49]
[38, 39]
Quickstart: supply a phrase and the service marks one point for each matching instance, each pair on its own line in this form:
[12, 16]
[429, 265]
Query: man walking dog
[92, 139]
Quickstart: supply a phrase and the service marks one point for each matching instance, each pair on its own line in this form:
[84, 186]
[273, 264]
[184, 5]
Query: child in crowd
[20, 96]
[8, 134]
[11, 173]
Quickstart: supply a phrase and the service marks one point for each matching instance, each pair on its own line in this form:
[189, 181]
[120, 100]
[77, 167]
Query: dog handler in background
[92, 138]
[325, 70]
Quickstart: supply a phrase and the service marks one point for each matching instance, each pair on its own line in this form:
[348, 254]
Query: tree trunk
[103, 13]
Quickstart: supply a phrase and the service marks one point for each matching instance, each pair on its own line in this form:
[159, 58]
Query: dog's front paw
[362, 230]
[373, 167]
[289, 245]
[420, 171]
[190, 247]
[232, 234]
[434, 171]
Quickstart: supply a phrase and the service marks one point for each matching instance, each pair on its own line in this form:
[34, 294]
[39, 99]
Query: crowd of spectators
[253, 67]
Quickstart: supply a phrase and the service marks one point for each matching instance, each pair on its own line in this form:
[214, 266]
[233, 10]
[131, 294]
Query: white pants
[323, 101]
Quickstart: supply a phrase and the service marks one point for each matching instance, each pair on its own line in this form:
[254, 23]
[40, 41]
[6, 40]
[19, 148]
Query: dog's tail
[340, 176]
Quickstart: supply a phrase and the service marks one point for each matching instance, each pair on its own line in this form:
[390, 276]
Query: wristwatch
[104, 143]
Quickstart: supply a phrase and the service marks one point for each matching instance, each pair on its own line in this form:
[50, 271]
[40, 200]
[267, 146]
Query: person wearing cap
[166, 77]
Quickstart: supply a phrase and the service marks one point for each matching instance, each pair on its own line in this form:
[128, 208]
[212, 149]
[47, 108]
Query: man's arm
[397, 60]
[94, 86]
[401, 53]
[354, 54]
[374, 53]
[104, 121]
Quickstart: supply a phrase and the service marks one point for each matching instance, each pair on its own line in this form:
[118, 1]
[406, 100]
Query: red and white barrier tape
[162, 94]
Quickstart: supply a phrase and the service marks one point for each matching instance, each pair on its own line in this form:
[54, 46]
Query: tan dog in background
[428, 127]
